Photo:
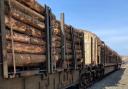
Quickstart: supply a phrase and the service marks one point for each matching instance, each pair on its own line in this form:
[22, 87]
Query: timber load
[56, 43]
[25, 32]
[33, 5]
[79, 48]
[68, 45]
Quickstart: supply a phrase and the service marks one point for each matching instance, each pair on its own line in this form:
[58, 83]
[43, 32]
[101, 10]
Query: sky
[106, 18]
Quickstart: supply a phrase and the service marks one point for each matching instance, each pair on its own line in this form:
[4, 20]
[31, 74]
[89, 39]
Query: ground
[116, 80]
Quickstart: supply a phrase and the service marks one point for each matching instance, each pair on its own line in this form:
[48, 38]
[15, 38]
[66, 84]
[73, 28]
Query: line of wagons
[38, 51]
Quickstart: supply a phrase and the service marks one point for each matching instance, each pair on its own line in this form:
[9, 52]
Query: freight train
[38, 51]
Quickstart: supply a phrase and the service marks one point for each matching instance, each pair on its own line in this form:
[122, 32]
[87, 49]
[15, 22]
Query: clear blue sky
[107, 18]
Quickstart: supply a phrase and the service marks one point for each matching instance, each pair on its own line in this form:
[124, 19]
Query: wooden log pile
[56, 43]
[26, 36]
[78, 47]
[68, 45]
[25, 32]
[33, 5]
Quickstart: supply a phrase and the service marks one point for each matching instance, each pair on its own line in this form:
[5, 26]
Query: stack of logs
[68, 45]
[56, 43]
[78, 41]
[33, 5]
[26, 36]
[25, 32]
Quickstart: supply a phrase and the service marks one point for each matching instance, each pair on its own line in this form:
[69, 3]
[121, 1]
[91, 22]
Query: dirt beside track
[116, 80]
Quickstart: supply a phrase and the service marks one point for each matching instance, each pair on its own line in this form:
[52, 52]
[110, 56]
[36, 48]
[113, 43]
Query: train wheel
[83, 82]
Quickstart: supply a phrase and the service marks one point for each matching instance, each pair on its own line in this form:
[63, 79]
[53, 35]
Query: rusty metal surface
[3, 50]
[60, 80]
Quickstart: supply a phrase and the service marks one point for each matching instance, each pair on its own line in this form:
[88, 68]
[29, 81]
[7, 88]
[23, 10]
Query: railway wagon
[40, 52]
[97, 52]
[37, 51]
[93, 59]
[112, 60]
[100, 60]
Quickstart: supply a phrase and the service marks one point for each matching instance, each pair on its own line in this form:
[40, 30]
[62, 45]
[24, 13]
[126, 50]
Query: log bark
[30, 21]
[68, 41]
[56, 57]
[78, 47]
[77, 34]
[56, 44]
[68, 51]
[68, 45]
[77, 40]
[56, 51]
[56, 31]
[17, 37]
[56, 25]
[67, 29]
[56, 38]
[26, 48]
[23, 28]
[18, 5]
[68, 36]
[24, 38]
[78, 56]
[79, 52]
[25, 59]
[27, 19]
[33, 5]
[68, 57]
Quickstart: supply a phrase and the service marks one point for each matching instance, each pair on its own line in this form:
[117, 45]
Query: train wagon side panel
[60, 80]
